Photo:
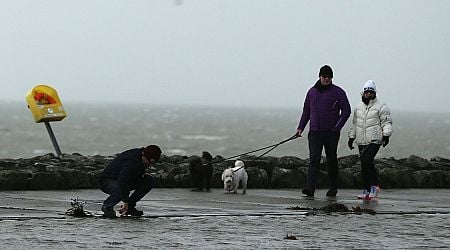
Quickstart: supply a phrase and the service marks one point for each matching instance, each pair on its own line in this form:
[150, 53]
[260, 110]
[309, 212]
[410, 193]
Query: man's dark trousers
[141, 188]
[318, 140]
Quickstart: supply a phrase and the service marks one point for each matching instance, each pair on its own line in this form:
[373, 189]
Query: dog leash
[271, 147]
[238, 169]
[276, 145]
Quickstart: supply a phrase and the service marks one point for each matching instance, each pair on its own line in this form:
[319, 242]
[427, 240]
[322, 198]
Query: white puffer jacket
[370, 123]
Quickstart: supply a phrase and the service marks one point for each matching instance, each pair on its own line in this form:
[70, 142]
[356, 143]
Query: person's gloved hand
[350, 143]
[385, 141]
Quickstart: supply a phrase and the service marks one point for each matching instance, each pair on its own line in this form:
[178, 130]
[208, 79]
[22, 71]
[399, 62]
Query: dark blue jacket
[126, 168]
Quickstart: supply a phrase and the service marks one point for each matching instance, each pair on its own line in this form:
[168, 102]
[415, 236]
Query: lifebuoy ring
[43, 99]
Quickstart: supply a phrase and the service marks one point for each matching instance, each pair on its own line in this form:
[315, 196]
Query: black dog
[201, 172]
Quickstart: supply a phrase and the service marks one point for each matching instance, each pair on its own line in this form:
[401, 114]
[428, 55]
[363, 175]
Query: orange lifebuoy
[43, 98]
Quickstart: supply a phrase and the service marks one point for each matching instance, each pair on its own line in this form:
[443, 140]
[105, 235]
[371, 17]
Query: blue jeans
[317, 141]
[110, 186]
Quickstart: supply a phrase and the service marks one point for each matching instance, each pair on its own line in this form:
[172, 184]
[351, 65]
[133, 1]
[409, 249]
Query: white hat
[370, 86]
[238, 163]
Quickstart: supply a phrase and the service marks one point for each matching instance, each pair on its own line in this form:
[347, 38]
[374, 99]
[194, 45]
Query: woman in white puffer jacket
[372, 127]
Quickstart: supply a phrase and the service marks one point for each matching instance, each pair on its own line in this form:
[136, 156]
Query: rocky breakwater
[75, 171]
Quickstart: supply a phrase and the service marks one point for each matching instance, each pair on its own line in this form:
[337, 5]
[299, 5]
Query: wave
[175, 151]
[204, 137]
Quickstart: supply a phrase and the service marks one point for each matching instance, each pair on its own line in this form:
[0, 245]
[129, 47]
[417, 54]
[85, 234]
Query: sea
[106, 129]
[110, 128]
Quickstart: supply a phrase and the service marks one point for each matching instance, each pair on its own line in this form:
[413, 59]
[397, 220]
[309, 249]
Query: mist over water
[107, 129]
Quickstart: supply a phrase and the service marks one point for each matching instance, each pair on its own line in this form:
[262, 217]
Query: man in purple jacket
[327, 109]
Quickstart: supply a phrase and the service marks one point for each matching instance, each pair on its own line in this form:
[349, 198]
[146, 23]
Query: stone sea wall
[75, 171]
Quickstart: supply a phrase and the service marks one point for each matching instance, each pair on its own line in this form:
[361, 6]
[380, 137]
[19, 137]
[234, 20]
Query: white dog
[231, 178]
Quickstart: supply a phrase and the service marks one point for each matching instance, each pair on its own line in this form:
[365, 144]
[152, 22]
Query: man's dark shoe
[308, 192]
[332, 192]
[109, 213]
[197, 190]
[132, 211]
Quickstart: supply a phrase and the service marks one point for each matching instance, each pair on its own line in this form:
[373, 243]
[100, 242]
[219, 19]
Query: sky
[256, 53]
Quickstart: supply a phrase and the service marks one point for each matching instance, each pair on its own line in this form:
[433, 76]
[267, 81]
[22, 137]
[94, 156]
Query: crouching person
[124, 174]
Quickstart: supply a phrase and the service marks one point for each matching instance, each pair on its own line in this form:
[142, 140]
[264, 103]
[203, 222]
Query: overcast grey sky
[262, 53]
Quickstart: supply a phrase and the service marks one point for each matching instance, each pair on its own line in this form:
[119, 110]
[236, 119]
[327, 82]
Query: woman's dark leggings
[369, 173]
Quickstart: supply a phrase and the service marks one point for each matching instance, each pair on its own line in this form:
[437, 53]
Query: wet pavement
[258, 202]
[179, 218]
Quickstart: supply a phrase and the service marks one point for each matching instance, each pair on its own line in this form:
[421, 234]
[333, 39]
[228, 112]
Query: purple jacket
[328, 110]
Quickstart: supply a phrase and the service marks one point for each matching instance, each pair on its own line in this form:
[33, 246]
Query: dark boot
[108, 212]
[132, 211]
[308, 192]
[332, 192]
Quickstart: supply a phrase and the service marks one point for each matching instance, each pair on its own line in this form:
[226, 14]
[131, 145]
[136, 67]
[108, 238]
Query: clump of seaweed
[77, 209]
[335, 207]
[290, 237]
[301, 208]
[358, 209]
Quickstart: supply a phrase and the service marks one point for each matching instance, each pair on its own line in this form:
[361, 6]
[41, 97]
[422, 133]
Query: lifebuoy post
[45, 106]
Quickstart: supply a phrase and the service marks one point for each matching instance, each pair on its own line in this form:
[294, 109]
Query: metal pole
[53, 138]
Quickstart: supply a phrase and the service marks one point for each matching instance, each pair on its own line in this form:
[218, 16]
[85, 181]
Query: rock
[291, 162]
[348, 161]
[421, 177]
[183, 180]
[14, 180]
[164, 179]
[346, 178]
[437, 179]
[439, 159]
[357, 180]
[73, 171]
[396, 178]
[417, 162]
[257, 178]
[287, 178]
